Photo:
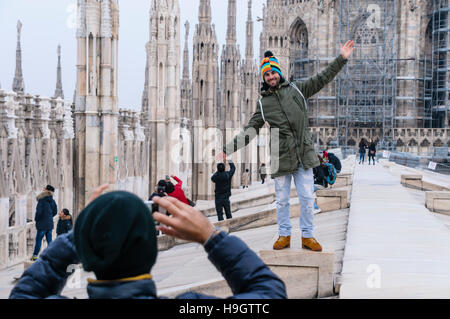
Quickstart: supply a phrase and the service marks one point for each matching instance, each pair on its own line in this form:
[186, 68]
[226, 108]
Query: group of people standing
[372, 151]
[46, 210]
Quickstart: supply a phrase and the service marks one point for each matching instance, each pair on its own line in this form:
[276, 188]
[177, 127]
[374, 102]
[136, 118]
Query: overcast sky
[47, 23]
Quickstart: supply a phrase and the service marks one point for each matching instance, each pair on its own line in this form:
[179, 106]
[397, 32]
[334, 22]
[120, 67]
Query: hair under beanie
[270, 63]
[115, 237]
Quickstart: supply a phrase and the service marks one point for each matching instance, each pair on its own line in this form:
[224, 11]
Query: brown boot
[311, 244]
[282, 243]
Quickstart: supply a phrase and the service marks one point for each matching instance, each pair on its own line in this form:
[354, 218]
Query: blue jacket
[46, 209]
[63, 226]
[245, 273]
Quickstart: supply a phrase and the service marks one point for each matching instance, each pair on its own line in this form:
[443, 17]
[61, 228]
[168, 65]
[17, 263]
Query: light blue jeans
[304, 184]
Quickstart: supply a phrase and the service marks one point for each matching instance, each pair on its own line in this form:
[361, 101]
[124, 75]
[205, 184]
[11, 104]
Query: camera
[161, 190]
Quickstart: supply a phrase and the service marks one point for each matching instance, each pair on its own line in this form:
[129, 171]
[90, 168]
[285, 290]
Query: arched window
[300, 66]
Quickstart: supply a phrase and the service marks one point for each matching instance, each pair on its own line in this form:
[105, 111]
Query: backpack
[331, 178]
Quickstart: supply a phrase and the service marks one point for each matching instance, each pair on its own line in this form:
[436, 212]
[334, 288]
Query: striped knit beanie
[270, 63]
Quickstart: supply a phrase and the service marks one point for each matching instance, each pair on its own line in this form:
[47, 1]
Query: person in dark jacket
[46, 209]
[362, 151]
[372, 151]
[161, 191]
[320, 173]
[332, 159]
[222, 190]
[115, 237]
[64, 223]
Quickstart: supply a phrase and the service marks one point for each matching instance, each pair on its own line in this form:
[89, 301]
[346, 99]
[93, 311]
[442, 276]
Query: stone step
[254, 217]
[306, 275]
[438, 202]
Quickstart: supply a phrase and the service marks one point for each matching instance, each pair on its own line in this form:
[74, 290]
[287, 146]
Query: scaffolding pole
[366, 90]
[440, 64]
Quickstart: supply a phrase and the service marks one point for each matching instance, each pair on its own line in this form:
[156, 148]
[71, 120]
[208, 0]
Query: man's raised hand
[347, 49]
[185, 222]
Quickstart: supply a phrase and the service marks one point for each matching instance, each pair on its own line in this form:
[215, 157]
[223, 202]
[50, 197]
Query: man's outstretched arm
[318, 82]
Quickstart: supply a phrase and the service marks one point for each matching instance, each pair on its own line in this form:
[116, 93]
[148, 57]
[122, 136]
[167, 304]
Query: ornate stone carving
[106, 23]
[81, 19]
[11, 107]
[45, 117]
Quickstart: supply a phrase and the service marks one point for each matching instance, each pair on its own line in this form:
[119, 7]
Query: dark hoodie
[222, 179]
[46, 209]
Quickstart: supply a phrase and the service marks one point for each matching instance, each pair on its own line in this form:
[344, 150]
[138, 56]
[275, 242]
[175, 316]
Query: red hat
[325, 154]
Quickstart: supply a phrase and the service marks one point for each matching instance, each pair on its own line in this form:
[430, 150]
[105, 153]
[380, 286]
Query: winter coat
[178, 193]
[244, 179]
[64, 226]
[223, 182]
[263, 171]
[362, 148]
[245, 273]
[285, 111]
[372, 147]
[46, 209]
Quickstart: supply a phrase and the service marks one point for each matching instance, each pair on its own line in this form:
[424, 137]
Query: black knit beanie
[115, 237]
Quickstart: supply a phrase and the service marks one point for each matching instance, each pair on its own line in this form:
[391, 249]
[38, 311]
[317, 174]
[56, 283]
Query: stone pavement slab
[395, 247]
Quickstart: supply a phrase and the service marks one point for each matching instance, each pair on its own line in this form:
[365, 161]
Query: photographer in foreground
[115, 237]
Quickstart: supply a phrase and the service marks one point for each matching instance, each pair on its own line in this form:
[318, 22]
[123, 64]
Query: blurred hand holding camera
[185, 222]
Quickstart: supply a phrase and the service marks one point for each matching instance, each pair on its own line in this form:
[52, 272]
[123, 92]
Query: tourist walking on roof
[245, 178]
[284, 107]
[362, 151]
[372, 151]
[222, 189]
[46, 209]
[263, 172]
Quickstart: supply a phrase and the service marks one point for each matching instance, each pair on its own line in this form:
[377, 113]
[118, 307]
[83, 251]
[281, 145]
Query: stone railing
[36, 148]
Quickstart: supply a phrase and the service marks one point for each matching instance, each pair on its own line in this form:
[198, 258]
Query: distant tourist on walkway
[372, 151]
[65, 222]
[115, 238]
[245, 178]
[46, 209]
[263, 172]
[222, 190]
[362, 151]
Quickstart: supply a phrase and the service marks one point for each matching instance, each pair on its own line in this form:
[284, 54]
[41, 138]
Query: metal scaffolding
[366, 90]
[440, 64]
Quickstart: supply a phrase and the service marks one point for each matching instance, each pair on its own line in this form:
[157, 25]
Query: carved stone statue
[186, 25]
[19, 29]
[413, 5]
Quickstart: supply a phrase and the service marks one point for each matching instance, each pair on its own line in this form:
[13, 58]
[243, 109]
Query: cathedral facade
[395, 87]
